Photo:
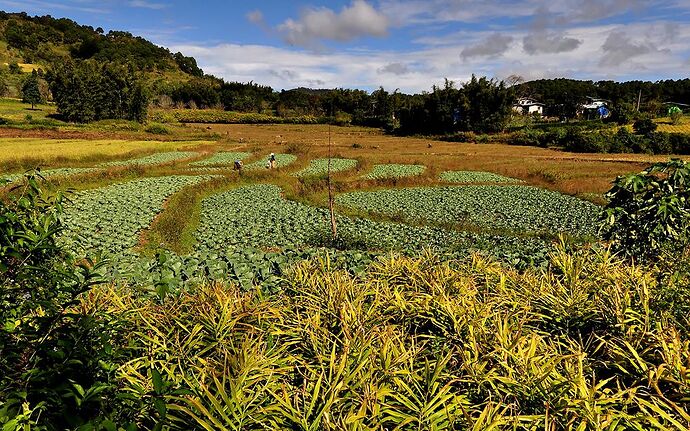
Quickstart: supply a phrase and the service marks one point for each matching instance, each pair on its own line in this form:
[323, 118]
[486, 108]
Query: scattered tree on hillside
[31, 90]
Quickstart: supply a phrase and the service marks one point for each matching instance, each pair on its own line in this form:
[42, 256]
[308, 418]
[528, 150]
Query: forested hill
[43, 40]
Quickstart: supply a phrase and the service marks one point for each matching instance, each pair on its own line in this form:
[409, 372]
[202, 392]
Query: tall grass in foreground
[416, 344]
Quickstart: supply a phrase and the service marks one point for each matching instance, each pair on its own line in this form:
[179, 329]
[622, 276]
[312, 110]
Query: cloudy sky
[405, 44]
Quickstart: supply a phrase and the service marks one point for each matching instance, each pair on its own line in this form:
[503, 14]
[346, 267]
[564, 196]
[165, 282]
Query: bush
[482, 139]
[680, 143]
[527, 137]
[158, 129]
[460, 137]
[577, 141]
[649, 212]
[676, 117]
[644, 127]
[660, 143]
[54, 363]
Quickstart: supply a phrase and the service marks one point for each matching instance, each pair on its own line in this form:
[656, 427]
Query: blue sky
[405, 44]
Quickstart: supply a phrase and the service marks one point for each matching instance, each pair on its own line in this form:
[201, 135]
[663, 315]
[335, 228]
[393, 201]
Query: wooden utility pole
[639, 100]
[334, 226]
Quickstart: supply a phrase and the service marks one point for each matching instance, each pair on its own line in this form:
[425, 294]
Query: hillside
[28, 43]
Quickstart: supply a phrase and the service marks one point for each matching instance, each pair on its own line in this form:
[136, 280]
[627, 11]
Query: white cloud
[354, 21]
[419, 69]
[146, 4]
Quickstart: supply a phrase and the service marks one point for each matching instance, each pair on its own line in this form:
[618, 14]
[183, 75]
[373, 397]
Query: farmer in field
[238, 166]
[272, 164]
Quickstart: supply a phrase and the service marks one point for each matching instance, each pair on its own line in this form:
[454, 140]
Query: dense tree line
[563, 96]
[90, 91]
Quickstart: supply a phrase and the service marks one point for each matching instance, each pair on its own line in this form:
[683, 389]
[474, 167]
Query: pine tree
[31, 91]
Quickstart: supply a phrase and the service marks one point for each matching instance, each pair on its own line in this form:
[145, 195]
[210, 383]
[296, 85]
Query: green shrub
[460, 137]
[644, 126]
[680, 143]
[482, 139]
[578, 141]
[527, 137]
[158, 129]
[54, 365]
[649, 212]
[676, 116]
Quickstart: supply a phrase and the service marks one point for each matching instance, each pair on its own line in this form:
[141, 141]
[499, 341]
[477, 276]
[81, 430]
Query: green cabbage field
[475, 177]
[154, 159]
[250, 233]
[282, 160]
[394, 171]
[109, 219]
[222, 159]
[319, 167]
[512, 208]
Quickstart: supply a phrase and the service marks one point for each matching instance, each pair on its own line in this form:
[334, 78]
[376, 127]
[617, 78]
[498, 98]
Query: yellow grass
[665, 125]
[571, 173]
[28, 67]
[18, 152]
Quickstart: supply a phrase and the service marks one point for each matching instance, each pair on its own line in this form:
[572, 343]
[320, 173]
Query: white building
[527, 106]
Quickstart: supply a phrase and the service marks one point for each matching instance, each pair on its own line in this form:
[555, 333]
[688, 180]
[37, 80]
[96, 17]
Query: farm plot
[320, 167]
[257, 216]
[154, 159]
[108, 219]
[511, 208]
[222, 159]
[475, 177]
[282, 160]
[51, 173]
[394, 171]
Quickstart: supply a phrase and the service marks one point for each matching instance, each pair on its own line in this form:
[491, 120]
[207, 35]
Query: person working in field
[238, 166]
[272, 164]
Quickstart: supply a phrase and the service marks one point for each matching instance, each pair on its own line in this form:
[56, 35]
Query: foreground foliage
[413, 344]
[51, 367]
[649, 213]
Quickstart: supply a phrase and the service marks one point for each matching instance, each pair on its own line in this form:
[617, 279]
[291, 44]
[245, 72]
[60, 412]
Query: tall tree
[31, 90]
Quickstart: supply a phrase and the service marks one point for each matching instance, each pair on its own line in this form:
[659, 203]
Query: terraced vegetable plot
[258, 216]
[394, 171]
[52, 173]
[222, 158]
[475, 177]
[513, 208]
[320, 167]
[109, 219]
[282, 160]
[154, 159]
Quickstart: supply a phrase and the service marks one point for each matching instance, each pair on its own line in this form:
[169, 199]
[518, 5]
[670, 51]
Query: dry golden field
[575, 174]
